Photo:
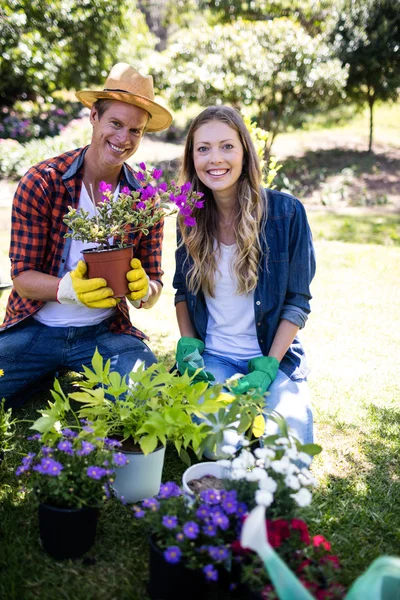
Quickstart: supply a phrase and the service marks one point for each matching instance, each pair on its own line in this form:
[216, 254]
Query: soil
[207, 482]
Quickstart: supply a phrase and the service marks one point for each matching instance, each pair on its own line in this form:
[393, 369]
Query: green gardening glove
[262, 372]
[188, 358]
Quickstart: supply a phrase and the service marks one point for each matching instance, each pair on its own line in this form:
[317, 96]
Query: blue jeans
[32, 352]
[289, 398]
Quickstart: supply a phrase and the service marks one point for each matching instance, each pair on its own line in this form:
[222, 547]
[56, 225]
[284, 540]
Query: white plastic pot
[141, 477]
[199, 470]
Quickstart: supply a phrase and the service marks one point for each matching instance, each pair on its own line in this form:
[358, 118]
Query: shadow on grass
[359, 512]
[303, 175]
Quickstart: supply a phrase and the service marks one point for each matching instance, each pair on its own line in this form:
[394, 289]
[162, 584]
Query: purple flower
[189, 221]
[209, 530]
[120, 459]
[170, 521]
[112, 443]
[87, 428]
[210, 496]
[105, 199]
[218, 552]
[163, 187]
[210, 572]
[169, 490]
[241, 509]
[47, 451]
[142, 165]
[48, 466]
[157, 173]
[180, 200]
[172, 554]
[203, 511]
[180, 537]
[148, 192]
[186, 211]
[35, 436]
[106, 490]
[140, 205]
[229, 503]
[68, 433]
[186, 187]
[105, 187]
[199, 203]
[140, 176]
[96, 472]
[21, 469]
[65, 446]
[86, 448]
[139, 513]
[151, 503]
[126, 190]
[191, 530]
[221, 521]
[27, 460]
[173, 183]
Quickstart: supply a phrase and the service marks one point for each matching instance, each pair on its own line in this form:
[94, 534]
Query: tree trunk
[154, 12]
[371, 101]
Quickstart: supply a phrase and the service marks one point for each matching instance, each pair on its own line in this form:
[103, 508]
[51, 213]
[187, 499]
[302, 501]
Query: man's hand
[262, 372]
[188, 358]
[138, 282]
[76, 288]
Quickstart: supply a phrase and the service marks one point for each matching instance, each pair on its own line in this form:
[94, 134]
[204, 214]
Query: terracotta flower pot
[112, 264]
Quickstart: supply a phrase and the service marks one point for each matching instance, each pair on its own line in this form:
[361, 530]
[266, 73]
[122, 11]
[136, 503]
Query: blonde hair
[200, 239]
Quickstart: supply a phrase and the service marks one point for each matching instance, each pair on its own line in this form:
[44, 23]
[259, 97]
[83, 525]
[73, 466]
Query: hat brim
[161, 118]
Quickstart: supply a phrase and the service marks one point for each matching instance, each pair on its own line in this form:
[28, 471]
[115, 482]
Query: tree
[53, 45]
[367, 38]
[274, 66]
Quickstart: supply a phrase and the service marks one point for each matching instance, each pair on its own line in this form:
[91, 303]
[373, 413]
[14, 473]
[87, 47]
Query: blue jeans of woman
[289, 398]
[32, 352]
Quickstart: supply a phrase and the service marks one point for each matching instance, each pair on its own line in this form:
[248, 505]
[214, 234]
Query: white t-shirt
[54, 314]
[231, 327]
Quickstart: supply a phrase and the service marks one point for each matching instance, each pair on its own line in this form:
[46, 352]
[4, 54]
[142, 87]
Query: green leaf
[148, 444]
[311, 449]
[184, 456]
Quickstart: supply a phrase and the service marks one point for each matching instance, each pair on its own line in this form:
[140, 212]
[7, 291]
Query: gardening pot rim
[110, 249]
[66, 509]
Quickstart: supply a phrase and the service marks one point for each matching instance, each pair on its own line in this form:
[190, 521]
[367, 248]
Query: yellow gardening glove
[138, 283]
[76, 288]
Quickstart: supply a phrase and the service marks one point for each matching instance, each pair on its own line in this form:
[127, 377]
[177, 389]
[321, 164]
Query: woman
[243, 272]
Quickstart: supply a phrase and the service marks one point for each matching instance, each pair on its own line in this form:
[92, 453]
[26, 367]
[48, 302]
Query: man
[53, 319]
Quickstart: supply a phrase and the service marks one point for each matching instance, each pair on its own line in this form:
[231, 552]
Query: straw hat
[126, 84]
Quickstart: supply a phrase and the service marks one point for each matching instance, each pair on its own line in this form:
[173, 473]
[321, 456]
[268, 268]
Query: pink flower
[140, 176]
[163, 187]
[125, 190]
[142, 165]
[140, 205]
[190, 221]
[319, 540]
[199, 204]
[156, 173]
[302, 527]
[186, 187]
[105, 187]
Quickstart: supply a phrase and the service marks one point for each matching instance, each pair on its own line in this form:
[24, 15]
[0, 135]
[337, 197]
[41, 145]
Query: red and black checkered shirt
[37, 232]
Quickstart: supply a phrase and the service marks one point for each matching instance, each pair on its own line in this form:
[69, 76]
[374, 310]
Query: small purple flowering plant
[197, 532]
[70, 469]
[133, 211]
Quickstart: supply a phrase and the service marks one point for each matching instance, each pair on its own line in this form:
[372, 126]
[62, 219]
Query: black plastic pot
[176, 582]
[67, 532]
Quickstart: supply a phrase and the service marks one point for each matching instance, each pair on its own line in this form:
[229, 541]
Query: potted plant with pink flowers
[117, 219]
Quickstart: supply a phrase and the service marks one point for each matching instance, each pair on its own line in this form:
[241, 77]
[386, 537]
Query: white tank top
[231, 327]
[54, 314]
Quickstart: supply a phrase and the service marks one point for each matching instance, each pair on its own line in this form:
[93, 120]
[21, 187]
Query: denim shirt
[286, 269]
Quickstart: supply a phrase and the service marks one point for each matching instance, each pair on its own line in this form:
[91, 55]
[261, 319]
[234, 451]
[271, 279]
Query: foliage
[275, 66]
[7, 429]
[73, 468]
[27, 120]
[367, 38]
[138, 209]
[198, 533]
[155, 406]
[47, 46]
[259, 138]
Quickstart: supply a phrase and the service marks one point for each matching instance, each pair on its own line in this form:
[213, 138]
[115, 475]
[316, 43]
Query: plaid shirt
[37, 232]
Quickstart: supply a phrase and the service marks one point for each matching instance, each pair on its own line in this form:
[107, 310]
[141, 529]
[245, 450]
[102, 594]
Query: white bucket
[199, 470]
[141, 477]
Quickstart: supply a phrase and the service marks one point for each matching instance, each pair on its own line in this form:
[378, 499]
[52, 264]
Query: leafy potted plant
[190, 542]
[70, 475]
[117, 219]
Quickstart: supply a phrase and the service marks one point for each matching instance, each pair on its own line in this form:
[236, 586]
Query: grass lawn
[351, 339]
